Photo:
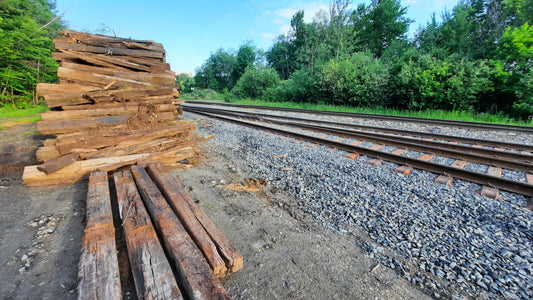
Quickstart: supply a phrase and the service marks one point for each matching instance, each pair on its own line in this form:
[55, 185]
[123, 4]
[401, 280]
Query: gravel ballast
[449, 240]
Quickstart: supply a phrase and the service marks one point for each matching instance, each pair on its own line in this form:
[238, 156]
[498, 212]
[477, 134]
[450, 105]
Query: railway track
[462, 124]
[518, 159]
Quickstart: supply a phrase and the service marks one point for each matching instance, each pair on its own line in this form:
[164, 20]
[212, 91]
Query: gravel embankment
[449, 240]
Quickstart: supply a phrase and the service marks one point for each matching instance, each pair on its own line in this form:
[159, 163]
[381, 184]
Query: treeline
[477, 57]
[27, 28]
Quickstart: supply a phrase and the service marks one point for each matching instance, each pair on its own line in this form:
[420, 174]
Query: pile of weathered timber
[174, 249]
[115, 104]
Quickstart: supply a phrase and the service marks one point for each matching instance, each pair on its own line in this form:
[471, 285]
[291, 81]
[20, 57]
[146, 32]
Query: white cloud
[284, 15]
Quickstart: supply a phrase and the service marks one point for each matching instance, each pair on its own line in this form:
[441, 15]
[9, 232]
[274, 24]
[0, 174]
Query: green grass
[433, 114]
[7, 112]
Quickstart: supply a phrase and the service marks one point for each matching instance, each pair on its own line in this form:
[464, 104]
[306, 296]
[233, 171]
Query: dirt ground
[287, 255]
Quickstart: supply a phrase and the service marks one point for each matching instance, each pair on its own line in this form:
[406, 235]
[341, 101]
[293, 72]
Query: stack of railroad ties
[115, 109]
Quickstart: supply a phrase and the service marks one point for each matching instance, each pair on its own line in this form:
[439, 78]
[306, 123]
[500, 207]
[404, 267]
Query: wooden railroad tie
[164, 229]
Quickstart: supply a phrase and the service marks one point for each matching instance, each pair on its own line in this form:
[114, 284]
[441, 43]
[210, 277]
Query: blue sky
[191, 30]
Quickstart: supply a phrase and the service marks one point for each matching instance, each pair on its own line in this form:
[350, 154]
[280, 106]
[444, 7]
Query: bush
[300, 87]
[359, 80]
[451, 84]
[254, 82]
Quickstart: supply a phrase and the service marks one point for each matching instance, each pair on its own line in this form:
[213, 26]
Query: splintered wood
[170, 241]
[115, 98]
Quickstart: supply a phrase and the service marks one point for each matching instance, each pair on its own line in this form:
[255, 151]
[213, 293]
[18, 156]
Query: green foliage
[478, 57]
[452, 84]
[282, 57]
[357, 81]
[377, 25]
[216, 72]
[185, 82]
[245, 58]
[300, 87]
[26, 31]
[255, 81]
[202, 94]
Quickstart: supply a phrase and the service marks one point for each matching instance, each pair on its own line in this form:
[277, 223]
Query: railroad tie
[489, 191]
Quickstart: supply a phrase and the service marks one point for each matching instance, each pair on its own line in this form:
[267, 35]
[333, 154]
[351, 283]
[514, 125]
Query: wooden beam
[76, 172]
[62, 44]
[173, 190]
[194, 274]
[98, 270]
[151, 271]
[189, 221]
[47, 152]
[68, 144]
[99, 112]
[68, 126]
[55, 164]
[98, 80]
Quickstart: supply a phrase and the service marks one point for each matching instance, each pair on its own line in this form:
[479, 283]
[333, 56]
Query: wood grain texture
[169, 186]
[152, 272]
[98, 270]
[194, 275]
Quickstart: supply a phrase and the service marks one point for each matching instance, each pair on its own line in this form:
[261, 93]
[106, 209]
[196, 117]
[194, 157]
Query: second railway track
[515, 157]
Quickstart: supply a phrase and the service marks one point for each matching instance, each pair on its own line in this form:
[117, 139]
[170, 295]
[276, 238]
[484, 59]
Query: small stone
[22, 269]
[24, 257]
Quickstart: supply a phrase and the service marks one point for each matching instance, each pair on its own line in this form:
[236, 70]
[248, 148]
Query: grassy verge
[11, 115]
[433, 114]
[8, 112]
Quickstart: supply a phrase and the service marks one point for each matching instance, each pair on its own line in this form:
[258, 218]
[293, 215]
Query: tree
[26, 31]
[245, 58]
[185, 82]
[282, 57]
[216, 72]
[377, 25]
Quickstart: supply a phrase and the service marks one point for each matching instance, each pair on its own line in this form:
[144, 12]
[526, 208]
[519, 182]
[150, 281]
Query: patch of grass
[10, 111]
[206, 94]
[31, 132]
[432, 114]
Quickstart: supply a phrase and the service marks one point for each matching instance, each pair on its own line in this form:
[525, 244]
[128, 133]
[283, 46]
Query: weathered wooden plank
[123, 95]
[189, 221]
[46, 153]
[151, 271]
[76, 172]
[105, 40]
[169, 186]
[68, 144]
[52, 165]
[98, 80]
[160, 78]
[68, 126]
[98, 270]
[99, 112]
[194, 274]
[62, 44]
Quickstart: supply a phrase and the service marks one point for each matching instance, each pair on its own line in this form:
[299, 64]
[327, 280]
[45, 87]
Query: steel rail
[489, 143]
[464, 124]
[480, 178]
[483, 156]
